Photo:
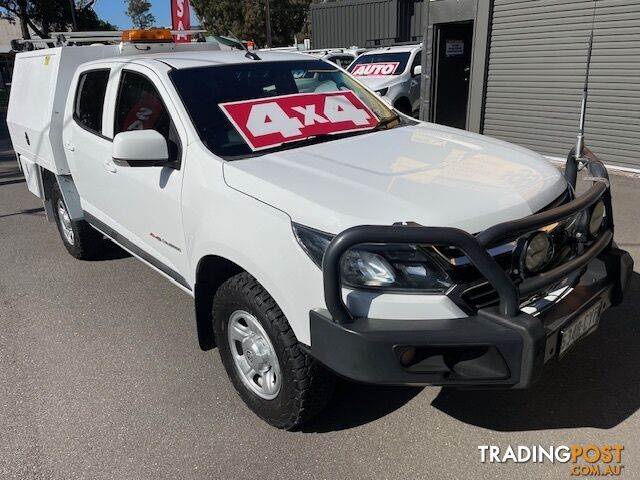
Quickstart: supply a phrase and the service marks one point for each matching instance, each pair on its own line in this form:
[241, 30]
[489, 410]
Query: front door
[145, 204]
[452, 72]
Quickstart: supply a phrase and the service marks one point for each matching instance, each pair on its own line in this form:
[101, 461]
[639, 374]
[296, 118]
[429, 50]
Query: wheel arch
[48, 180]
[212, 271]
[401, 102]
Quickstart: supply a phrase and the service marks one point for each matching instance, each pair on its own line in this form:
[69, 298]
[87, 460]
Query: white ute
[393, 73]
[318, 231]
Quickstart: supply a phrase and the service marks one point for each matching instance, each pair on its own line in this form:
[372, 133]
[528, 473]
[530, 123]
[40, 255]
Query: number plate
[585, 324]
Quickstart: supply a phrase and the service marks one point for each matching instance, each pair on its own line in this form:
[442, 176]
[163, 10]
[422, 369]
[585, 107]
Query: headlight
[382, 92]
[596, 219]
[389, 266]
[538, 250]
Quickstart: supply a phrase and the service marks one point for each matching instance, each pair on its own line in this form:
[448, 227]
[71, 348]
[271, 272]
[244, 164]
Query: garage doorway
[451, 73]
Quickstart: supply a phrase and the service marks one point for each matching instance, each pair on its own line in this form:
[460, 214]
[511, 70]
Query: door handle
[70, 146]
[110, 167]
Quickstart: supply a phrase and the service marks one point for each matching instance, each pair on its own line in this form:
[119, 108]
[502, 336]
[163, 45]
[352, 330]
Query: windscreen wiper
[383, 123]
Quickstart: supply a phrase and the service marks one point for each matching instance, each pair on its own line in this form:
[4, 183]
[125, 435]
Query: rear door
[86, 146]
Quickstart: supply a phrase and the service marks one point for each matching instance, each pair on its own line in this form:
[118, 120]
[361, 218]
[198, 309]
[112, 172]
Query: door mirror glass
[417, 70]
[140, 148]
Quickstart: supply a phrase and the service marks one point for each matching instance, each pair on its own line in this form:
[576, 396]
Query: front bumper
[498, 346]
[488, 349]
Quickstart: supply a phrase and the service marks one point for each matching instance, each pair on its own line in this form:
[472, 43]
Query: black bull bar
[475, 246]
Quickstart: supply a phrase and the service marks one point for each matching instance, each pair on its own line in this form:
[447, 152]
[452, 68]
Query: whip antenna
[585, 90]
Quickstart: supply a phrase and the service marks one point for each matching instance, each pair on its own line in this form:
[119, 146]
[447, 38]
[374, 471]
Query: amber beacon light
[151, 35]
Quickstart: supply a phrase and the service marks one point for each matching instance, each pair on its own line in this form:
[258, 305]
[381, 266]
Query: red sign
[144, 114]
[269, 122]
[374, 69]
[181, 19]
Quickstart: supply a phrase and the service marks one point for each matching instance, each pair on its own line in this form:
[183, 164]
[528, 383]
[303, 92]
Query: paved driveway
[101, 377]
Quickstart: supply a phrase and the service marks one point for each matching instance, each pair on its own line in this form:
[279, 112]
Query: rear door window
[89, 104]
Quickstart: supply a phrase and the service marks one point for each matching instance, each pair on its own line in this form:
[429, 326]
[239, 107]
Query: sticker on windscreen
[270, 122]
[375, 69]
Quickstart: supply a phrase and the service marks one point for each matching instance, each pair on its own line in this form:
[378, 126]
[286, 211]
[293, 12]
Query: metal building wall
[361, 22]
[352, 22]
[536, 71]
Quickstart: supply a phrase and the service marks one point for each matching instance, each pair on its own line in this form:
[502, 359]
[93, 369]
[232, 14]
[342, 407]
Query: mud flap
[71, 197]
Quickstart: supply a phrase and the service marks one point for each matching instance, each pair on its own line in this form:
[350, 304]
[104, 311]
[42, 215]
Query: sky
[114, 11]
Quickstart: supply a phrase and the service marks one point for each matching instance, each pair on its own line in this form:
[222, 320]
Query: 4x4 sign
[269, 122]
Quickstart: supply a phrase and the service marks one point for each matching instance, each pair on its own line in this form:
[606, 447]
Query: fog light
[596, 219]
[537, 252]
[407, 355]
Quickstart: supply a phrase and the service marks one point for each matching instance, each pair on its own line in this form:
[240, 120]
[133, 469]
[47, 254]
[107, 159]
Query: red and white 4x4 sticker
[269, 122]
[374, 69]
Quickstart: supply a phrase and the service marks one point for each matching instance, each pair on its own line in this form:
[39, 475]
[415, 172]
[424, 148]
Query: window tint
[417, 60]
[140, 107]
[203, 89]
[90, 99]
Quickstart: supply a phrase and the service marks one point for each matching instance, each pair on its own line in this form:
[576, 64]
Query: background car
[394, 74]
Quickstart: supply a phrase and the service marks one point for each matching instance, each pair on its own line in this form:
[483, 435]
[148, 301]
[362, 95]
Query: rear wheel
[80, 239]
[272, 374]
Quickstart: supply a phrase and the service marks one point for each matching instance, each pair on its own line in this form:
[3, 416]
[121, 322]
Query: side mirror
[417, 70]
[140, 148]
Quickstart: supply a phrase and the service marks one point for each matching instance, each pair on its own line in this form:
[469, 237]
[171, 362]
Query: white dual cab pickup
[319, 231]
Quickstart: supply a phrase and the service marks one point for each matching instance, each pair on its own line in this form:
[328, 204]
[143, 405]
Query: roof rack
[63, 39]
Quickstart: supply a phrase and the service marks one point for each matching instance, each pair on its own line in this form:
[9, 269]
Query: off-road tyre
[87, 243]
[306, 386]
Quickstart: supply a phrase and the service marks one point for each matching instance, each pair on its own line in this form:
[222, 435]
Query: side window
[140, 107]
[344, 61]
[417, 60]
[90, 99]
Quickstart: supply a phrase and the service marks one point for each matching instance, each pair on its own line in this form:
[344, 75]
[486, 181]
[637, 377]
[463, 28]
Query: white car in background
[341, 57]
[394, 74]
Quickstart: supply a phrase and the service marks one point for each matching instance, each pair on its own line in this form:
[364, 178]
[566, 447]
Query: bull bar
[499, 345]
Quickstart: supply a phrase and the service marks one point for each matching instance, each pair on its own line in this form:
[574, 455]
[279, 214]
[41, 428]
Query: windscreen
[379, 64]
[253, 108]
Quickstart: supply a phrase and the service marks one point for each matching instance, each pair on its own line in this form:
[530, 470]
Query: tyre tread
[313, 383]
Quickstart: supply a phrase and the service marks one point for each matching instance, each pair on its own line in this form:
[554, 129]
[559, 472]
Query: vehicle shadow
[30, 211]
[355, 404]
[596, 385]
[111, 251]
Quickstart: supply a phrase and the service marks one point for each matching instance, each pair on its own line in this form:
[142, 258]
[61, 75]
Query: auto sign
[375, 69]
[269, 122]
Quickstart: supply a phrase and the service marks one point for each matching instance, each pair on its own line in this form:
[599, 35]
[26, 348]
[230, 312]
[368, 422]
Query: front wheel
[270, 371]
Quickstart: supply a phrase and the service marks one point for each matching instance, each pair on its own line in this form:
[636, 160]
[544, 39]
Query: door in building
[452, 72]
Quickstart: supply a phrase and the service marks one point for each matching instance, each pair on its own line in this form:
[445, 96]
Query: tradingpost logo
[583, 460]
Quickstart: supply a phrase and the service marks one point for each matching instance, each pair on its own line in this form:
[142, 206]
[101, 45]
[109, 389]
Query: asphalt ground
[101, 377]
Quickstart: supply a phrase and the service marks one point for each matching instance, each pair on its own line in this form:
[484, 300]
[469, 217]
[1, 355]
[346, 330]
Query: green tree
[140, 13]
[246, 18]
[45, 16]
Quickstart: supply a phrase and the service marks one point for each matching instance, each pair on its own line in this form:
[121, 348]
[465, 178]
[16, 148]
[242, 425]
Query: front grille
[474, 292]
[482, 295]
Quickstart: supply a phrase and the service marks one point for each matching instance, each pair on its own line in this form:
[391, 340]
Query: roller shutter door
[536, 70]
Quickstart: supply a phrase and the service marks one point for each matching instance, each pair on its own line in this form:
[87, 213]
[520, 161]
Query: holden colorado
[319, 231]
